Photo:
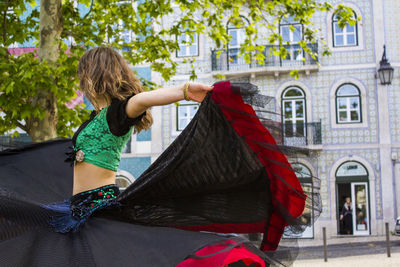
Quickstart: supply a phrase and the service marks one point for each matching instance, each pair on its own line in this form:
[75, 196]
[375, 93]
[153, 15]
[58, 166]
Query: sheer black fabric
[213, 177]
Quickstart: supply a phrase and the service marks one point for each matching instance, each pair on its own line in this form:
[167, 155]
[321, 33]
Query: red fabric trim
[224, 258]
[286, 194]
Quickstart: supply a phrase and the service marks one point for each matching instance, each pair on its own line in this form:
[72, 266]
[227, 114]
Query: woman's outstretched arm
[164, 96]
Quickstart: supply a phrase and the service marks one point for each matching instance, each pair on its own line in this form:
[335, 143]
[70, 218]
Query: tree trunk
[50, 27]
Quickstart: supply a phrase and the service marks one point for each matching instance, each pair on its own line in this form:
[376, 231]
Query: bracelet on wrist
[185, 91]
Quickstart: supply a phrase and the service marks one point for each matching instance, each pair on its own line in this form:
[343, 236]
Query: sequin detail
[80, 155]
[73, 213]
[85, 203]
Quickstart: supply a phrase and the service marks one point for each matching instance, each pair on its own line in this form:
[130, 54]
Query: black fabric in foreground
[208, 175]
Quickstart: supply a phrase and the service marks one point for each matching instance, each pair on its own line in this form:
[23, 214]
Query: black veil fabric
[227, 172]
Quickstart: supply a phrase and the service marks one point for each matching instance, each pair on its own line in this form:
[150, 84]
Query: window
[184, 114]
[125, 34]
[348, 36]
[294, 115]
[292, 33]
[238, 36]
[188, 46]
[351, 169]
[127, 148]
[123, 179]
[348, 104]
[304, 175]
[289, 36]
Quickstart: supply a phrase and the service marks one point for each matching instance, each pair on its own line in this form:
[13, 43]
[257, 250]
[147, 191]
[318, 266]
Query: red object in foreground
[223, 258]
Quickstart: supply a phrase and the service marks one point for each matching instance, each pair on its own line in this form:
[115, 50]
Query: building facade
[338, 109]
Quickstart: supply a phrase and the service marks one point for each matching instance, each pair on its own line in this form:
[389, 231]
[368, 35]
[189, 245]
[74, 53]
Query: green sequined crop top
[101, 139]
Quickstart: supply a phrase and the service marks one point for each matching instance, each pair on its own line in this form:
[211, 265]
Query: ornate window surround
[348, 109]
[360, 30]
[363, 104]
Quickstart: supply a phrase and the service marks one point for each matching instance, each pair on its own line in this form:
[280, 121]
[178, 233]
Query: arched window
[294, 115]
[348, 36]
[304, 175]
[348, 104]
[351, 169]
[123, 179]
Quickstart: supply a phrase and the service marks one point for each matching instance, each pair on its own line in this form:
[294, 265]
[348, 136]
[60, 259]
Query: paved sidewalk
[348, 250]
[375, 260]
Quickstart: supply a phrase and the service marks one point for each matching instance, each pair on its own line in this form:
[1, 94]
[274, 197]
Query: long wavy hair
[105, 75]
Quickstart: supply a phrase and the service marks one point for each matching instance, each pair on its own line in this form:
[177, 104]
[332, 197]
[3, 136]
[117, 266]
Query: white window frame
[186, 44]
[236, 60]
[363, 104]
[291, 34]
[343, 32]
[292, 100]
[187, 105]
[360, 30]
[348, 109]
[294, 53]
[240, 35]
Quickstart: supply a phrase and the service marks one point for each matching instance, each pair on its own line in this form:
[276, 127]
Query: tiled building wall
[320, 85]
[391, 9]
[355, 65]
[350, 55]
[394, 107]
[327, 171]
[362, 54]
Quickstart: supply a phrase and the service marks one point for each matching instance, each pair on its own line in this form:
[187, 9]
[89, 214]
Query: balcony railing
[230, 60]
[301, 134]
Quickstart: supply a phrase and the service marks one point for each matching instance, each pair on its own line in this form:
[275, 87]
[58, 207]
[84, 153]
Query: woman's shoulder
[117, 119]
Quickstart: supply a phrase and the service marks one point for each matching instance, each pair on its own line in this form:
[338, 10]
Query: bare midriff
[88, 176]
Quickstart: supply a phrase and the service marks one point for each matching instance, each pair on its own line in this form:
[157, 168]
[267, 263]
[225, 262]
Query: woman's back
[88, 176]
[98, 144]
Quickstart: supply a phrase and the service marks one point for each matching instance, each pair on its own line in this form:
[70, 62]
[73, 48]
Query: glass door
[359, 193]
[294, 56]
[236, 61]
[294, 122]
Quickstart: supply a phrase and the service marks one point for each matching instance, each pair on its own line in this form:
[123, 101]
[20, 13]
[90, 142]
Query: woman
[347, 217]
[224, 173]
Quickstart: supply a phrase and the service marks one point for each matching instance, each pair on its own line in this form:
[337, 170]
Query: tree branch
[4, 23]
[90, 10]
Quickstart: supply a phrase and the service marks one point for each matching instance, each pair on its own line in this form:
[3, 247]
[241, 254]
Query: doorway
[352, 199]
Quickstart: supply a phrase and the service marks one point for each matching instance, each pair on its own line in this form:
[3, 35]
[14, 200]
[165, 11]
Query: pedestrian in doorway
[346, 217]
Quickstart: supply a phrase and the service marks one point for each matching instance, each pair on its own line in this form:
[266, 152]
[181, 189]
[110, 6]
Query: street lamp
[385, 71]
